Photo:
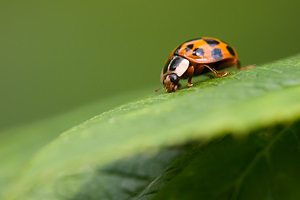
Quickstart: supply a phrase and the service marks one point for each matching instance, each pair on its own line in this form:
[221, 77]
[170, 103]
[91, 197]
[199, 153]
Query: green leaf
[88, 155]
[263, 166]
[19, 144]
[125, 178]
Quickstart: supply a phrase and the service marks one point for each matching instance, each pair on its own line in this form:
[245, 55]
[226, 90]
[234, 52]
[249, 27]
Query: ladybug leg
[224, 73]
[178, 86]
[189, 82]
[190, 72]
[238, 63]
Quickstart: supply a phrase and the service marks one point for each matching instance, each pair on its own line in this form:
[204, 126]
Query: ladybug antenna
[160, 89]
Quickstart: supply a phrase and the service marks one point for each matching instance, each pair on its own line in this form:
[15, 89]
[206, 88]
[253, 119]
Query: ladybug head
[171, 82]
[174, 68]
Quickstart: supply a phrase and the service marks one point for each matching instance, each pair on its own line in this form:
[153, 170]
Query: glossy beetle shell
[205, 50]
[196, 57]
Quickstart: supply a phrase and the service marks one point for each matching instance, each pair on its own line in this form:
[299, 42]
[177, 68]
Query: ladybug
[195, 57]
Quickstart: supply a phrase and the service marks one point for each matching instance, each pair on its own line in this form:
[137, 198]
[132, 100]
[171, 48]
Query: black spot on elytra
[211, 42]
[189, 47]
[198, 52]
[177, 50]
[231, 51]
[217, 54]
[175, 61]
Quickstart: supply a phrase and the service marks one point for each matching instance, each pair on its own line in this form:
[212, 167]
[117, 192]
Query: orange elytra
[196, 57]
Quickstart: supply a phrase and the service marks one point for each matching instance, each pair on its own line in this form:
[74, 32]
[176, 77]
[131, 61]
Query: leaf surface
[265, 166]
[239, 103]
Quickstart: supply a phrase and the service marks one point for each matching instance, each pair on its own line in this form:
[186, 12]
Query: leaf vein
[259, 155]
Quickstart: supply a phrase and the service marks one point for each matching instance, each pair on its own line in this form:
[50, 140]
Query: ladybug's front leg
[190, 73]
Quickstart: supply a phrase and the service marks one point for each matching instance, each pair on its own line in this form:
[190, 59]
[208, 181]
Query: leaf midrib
[259, 155]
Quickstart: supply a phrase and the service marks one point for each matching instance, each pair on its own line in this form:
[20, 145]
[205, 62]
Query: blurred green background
[57, 55]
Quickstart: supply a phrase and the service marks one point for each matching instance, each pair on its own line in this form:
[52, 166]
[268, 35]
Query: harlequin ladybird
[195, 57]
